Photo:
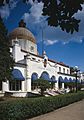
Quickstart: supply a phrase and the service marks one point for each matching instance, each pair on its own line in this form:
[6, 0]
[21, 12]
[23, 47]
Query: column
[5, 86]
[23, 86]
[29, 84]
[56, 85]
[62, 85]
[28, 76]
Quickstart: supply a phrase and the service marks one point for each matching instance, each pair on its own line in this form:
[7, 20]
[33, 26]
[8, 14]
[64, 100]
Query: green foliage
[60, 13]
[70, 84]
[42, 84]
[26, 108]
[6, 60]
[79, 86]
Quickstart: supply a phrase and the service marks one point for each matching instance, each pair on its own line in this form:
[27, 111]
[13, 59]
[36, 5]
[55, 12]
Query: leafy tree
[60, 13]
[42, 84]
[6, 60]
[2, 2]
[71, 85]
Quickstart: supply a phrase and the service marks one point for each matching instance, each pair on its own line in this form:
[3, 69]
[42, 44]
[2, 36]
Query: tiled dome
[22, 33]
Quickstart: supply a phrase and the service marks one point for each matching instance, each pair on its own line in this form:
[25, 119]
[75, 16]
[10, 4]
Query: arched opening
[45, 76]
[70, 80]
[33, 77]
[53, 81]
[66, 81]
[60, 81]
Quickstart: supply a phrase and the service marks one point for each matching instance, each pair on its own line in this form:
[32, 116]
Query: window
[33, 58]
[32, 49]
[63, 70]
[59, 69]
[67, 71]
[15, 85]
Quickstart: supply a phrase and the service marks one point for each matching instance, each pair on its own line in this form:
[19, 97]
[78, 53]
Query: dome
[22, 33]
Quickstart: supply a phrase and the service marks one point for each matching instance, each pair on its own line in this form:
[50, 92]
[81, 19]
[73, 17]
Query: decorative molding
[55, 65]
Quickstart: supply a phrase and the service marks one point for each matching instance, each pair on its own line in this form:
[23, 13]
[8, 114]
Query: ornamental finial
[22, 23]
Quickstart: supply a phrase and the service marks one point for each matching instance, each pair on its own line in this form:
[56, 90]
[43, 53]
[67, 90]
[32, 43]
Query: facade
[30, 66]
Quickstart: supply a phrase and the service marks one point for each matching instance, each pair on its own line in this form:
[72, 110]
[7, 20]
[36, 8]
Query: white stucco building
[29, 65]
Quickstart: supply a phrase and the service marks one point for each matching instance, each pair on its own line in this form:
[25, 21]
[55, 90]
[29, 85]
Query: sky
[59, 45]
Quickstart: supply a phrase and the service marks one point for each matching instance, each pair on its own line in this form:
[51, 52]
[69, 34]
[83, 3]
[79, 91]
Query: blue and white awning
[17, 75]
[53, 79]
[34, 76]
[60, 79]
[45, 76]
[74, 80]
[66, 80]
[70, 79]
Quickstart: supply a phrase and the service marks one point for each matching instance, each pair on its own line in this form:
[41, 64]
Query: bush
[25, 108]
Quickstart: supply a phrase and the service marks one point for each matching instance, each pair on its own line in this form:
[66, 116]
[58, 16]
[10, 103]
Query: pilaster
[28, 76]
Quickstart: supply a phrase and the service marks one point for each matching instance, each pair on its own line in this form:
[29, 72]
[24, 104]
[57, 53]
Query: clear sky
[59, 45]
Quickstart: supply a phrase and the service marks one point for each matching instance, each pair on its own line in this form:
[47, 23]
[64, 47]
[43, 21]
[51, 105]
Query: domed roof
[22, 33]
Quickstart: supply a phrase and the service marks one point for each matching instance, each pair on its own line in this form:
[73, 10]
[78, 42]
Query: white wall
[66, 68]
[26, 45]
[37, 66]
